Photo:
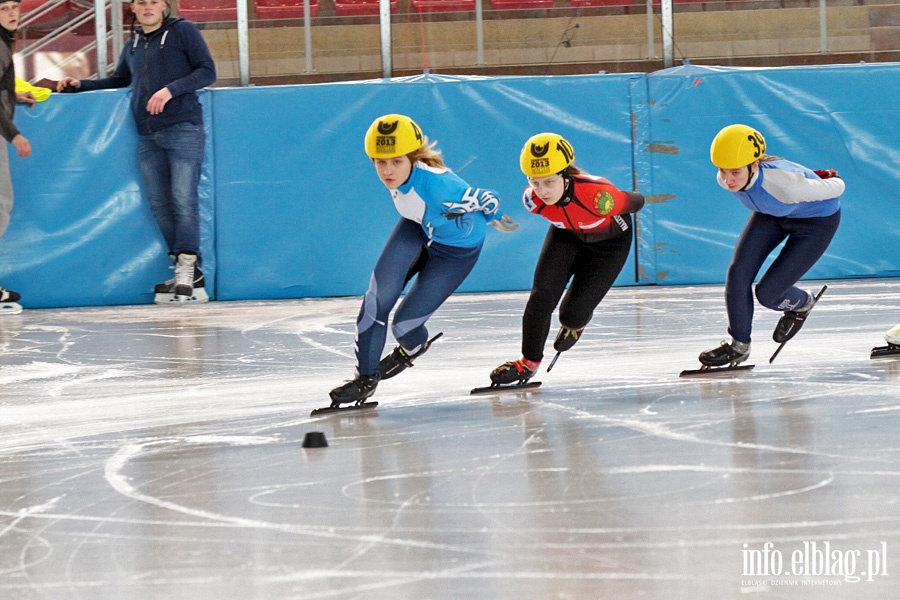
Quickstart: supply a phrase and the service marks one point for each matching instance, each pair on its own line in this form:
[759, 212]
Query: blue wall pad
[291, 206]
[81, 232]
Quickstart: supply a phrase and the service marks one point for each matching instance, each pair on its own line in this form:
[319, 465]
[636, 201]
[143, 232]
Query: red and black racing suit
[588, 242]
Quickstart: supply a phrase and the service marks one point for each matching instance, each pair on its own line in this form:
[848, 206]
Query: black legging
[592, 268]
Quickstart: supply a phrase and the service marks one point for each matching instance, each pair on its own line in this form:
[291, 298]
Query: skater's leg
[443, 272]
[807, 241]
[760, 236]
[385, 287]
[552, 273]
[595, 270]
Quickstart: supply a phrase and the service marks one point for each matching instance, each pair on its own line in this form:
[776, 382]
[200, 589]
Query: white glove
[504, 224]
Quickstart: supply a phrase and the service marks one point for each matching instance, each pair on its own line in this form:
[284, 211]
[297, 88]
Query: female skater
[788, 202]
[437, 240]
[588, 243]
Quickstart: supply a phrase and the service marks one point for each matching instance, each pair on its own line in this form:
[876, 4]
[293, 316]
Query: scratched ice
[155, 453]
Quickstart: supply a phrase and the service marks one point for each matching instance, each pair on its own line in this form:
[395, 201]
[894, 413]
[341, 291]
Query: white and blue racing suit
[437, 240]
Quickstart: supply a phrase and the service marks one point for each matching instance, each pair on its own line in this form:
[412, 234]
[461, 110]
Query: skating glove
[827, 173]
[504, 224]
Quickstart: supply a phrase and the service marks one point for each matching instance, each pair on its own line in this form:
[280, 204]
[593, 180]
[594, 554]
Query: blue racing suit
[438, 239]
[788, 202]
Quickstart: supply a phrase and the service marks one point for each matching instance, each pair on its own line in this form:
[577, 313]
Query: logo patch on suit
[604, 202]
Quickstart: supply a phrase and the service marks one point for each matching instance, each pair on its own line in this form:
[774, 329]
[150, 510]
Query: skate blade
[502, 389]
[702, 371]
[882, 351]
[199, 297]
[328, 410]
[10, 308]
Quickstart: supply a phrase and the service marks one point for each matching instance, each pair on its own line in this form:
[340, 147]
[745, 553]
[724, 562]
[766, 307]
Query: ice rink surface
[156, 453]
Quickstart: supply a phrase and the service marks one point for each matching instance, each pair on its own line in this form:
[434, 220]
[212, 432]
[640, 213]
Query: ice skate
[566, 338]
[512, 375]
[165, 293]
[892, 338]
[791, 322]
[399, 359]
[727, 356]
[9, 302]
[356, 390]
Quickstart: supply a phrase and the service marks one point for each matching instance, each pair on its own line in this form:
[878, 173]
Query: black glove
[827, 173]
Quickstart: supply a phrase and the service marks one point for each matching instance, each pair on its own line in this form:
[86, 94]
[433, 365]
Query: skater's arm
[791, 187]
[604, 199]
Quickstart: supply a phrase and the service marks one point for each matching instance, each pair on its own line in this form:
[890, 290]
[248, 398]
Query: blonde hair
[428, 154]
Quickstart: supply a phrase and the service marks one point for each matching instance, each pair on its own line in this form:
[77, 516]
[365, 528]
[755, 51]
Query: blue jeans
[170, 165]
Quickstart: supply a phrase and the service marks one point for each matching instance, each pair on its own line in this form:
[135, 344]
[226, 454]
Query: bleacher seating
[424, 6]
[356, 8]
[208, 10]
[520, 4]
[588, 3]
[284, 9]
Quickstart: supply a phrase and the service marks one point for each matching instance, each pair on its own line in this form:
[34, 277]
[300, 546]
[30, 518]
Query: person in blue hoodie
[165, 63]
[437, 240]
[790, 204]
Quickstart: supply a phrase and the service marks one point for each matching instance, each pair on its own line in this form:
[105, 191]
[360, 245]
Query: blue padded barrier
[291, 206]
[81, 232]
[840, 117]
[302, 213]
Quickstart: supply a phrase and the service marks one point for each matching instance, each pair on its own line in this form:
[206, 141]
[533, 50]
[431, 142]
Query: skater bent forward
[588, 242]
[788, 202]
[437, 240]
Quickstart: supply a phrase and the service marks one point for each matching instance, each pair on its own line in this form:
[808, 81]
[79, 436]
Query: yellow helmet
[546, 154]
[737, 146]
[393, 135]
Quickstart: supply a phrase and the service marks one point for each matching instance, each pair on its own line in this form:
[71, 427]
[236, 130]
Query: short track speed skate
[790, 324]
[496, 388]
[399, 360]
[882, 351]
[892, 338]
[726, 357]
[353, 393]
[513, 375]
[704, 370]
[348, 408]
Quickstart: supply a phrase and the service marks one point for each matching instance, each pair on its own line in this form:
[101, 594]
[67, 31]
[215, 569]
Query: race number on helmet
[737, 146]
[546, 154]
[393, 135]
